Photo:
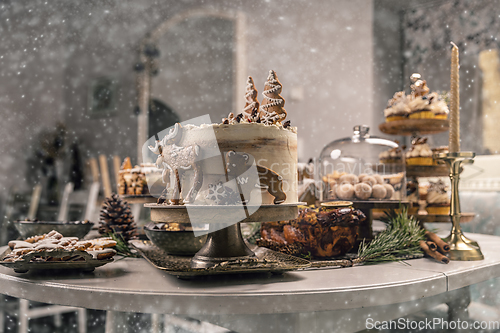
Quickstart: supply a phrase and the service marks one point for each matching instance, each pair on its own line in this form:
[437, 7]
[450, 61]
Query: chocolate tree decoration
[272, 105]
[117, 219]
[251, 109]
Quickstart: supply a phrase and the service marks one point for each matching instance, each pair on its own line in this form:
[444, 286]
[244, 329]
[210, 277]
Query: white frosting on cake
[272, 146]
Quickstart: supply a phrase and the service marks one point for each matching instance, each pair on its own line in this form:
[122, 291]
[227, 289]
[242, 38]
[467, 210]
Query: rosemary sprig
[400, 239]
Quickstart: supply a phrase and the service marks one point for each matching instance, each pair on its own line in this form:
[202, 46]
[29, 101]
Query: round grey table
[338, 299]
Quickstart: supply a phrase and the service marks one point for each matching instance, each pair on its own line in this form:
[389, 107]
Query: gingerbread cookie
[272, 107]
[54, 247]
[273, 183]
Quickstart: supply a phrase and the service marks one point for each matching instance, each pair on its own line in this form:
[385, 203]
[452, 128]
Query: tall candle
[454, 138]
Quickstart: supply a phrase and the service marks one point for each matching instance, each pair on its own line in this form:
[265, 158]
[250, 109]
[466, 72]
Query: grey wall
[323, 48]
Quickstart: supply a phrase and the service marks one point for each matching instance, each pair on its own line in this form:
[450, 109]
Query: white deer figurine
[172, 157]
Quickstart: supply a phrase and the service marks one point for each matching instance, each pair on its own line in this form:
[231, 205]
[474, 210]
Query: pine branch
[400, 240]
[121, 246]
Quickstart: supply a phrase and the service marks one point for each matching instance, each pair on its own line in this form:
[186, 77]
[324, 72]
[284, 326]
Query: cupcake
[393, 155]
[397, 107]
[420, 153]
[438, 106]
[419, 102]
[438, 200]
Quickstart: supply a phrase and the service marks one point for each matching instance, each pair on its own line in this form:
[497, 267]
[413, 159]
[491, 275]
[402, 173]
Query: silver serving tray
[23, 266]
[180, 266]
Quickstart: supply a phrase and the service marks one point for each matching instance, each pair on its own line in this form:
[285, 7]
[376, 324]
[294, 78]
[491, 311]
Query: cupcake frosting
[437, 105]
[419, 148]
[398, 105]
[420, 103]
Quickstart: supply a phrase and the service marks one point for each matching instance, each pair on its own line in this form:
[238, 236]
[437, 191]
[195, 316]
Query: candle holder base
[461, 247]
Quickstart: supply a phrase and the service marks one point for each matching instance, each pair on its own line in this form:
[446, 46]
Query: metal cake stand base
[224, 245]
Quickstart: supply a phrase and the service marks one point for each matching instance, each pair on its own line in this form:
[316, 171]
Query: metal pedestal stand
[461, 247]
[226, 244]
[221, 246]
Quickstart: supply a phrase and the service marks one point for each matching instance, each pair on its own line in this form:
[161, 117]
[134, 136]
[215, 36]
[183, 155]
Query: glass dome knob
[361, 130]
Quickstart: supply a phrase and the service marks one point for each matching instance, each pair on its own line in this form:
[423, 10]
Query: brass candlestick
[461, 247]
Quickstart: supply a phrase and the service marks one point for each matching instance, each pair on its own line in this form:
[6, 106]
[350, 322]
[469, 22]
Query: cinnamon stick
[434, 254]
[432, 246]
[442, 245]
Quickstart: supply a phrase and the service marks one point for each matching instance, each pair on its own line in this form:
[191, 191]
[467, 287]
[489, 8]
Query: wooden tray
[430, 218]
[415, 126]
[427, 170]
[180, 266]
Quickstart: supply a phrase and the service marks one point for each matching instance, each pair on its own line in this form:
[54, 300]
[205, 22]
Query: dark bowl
[67, 229]
[175, 242]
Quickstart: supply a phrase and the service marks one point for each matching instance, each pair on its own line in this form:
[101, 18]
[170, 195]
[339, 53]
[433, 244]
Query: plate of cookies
[53, 251]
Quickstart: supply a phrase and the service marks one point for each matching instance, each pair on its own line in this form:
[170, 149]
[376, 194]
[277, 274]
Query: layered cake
[134, 180]
[438, 199]
[249, 158]
[419, 104]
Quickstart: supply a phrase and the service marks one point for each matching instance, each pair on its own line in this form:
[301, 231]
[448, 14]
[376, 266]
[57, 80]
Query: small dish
[68, 228]
[175, 241]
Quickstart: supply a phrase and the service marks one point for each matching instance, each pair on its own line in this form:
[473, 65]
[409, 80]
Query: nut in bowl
[68, 228]
[174, 238]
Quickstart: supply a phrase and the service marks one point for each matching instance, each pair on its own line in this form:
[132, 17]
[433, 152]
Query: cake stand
[225, 244]
[138, 199]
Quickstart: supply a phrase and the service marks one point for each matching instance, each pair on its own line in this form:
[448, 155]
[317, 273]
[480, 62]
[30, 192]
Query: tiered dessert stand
[416, 127]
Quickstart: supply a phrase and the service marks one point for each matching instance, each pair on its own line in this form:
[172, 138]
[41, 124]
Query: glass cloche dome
[362, 167]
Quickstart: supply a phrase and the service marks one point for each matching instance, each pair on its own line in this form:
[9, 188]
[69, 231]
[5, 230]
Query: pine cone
[117, 218]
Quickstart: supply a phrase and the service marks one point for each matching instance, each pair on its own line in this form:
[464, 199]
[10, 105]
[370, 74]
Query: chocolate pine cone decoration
[271, 109]
[116, 218]
[251, 109]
